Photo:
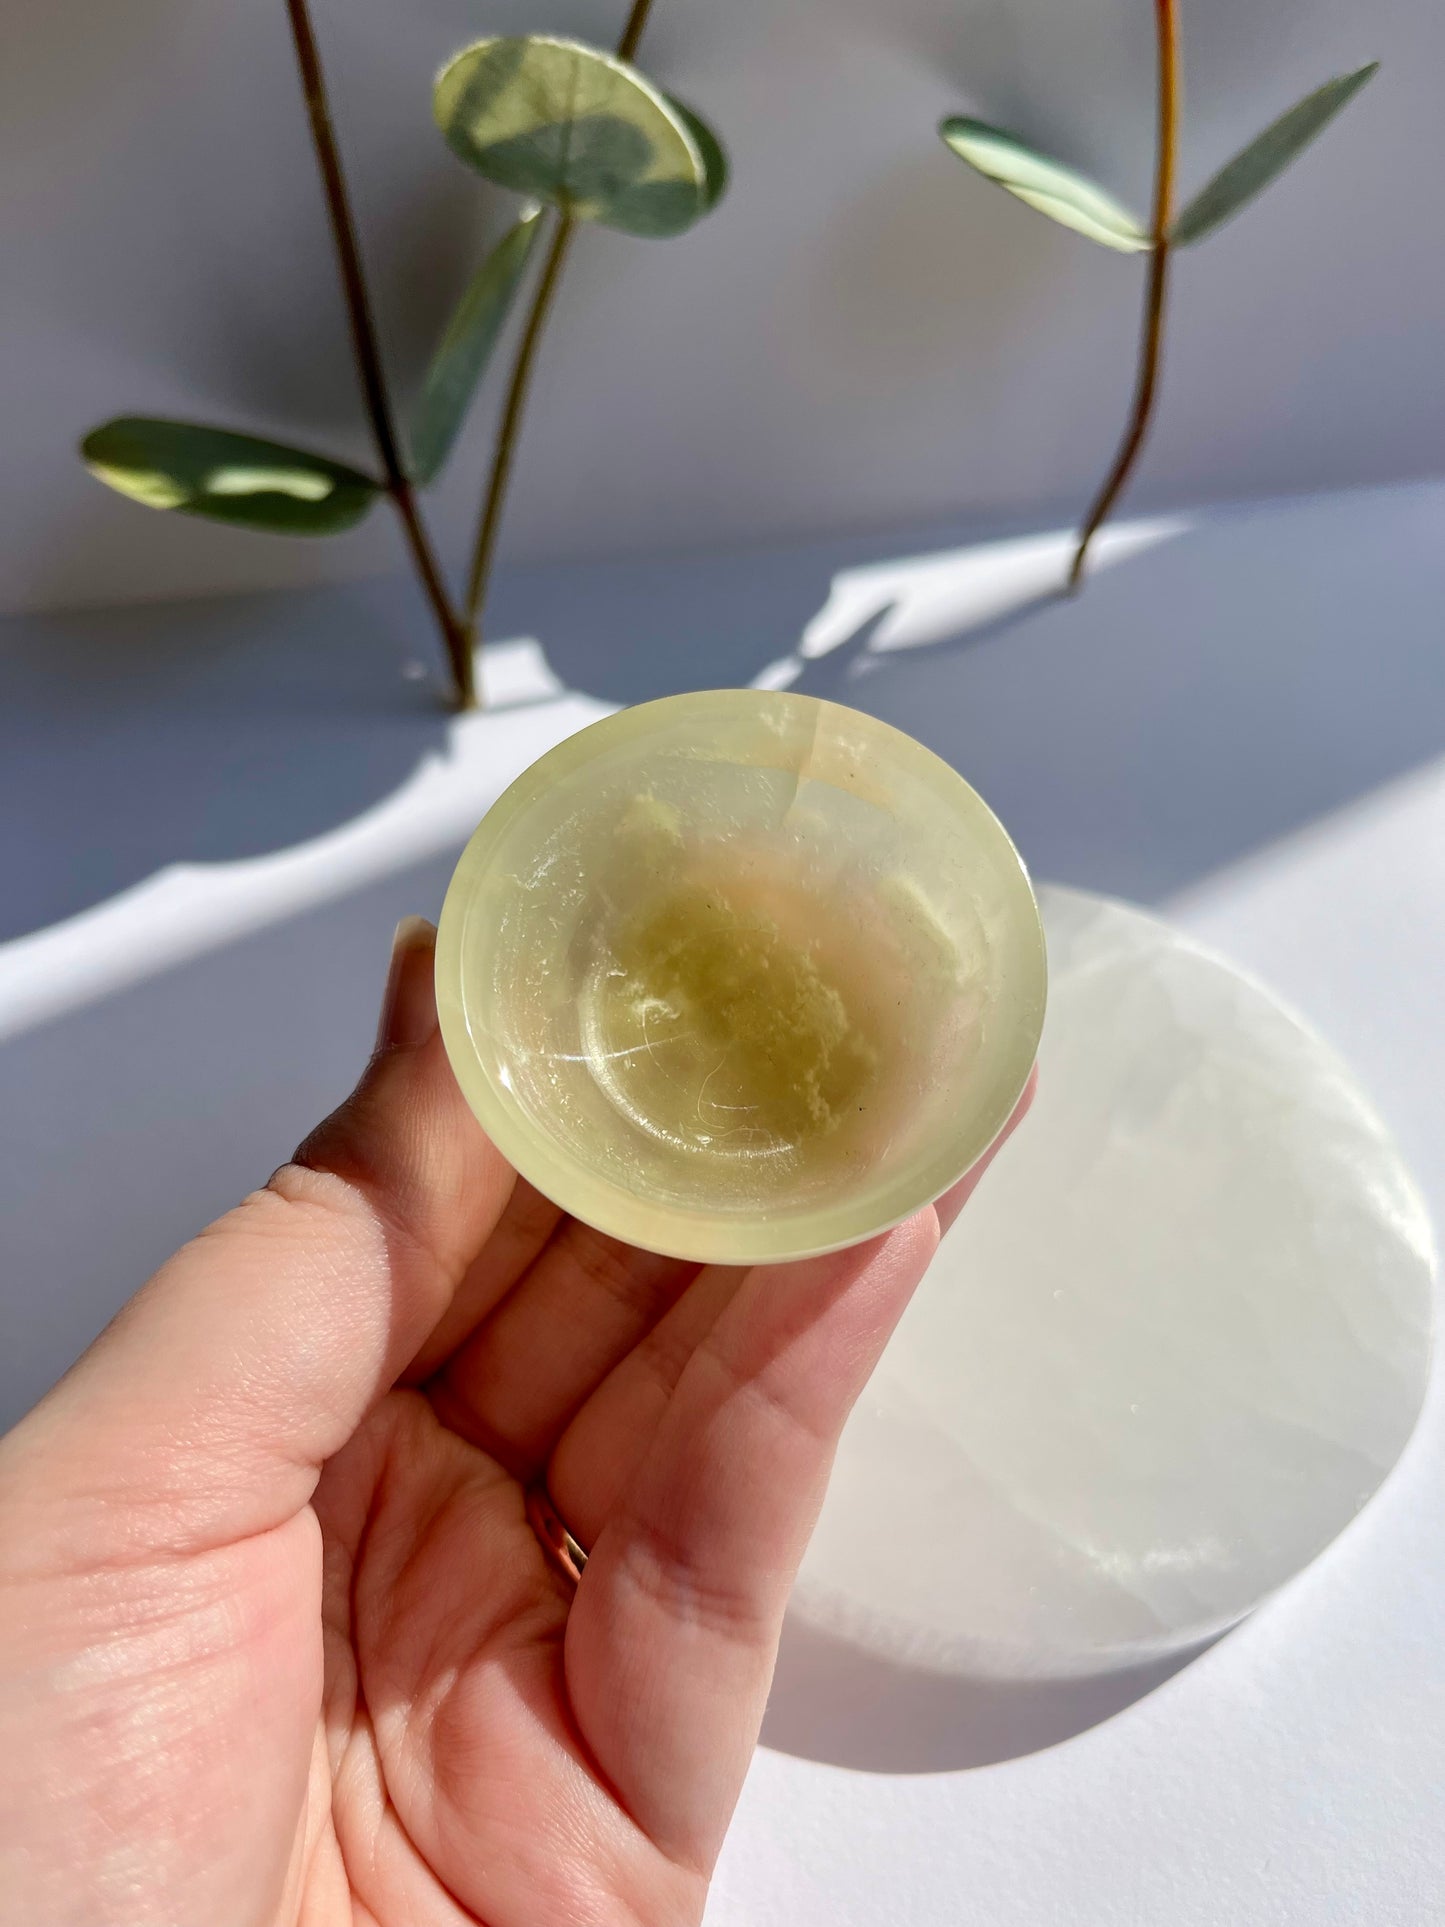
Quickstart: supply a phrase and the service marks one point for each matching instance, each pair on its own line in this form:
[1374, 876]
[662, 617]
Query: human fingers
[583, 1306]
[610, 1435]
[600, 1451]
[211, 1401]
[673, 1633]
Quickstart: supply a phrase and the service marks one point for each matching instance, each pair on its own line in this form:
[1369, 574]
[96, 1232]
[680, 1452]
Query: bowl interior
[741, 975]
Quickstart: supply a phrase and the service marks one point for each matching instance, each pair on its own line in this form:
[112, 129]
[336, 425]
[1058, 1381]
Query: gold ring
[566, 1553]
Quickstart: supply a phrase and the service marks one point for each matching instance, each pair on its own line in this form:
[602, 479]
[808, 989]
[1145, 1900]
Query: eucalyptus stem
[368, 356]
[505, 447]
[632, 32]
[1151, 345]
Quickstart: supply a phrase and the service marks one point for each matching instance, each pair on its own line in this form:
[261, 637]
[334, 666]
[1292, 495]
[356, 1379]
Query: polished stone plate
[1171, 1348]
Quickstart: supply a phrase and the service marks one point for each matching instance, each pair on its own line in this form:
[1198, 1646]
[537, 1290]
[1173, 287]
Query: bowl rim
[668, 1229]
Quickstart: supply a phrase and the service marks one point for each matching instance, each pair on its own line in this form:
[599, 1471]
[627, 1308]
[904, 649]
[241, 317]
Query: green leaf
[716, 171]
[466, 347]
[1062, 193]
[226, 477]
[1267, 155]
[573, 126]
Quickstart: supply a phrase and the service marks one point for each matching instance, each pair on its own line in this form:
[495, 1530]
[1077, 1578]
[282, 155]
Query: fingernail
[408, 1007]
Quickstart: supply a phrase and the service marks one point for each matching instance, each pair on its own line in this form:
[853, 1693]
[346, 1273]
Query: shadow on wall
[1208, 696]
[196, 732]
[626, 632]
[842, 1705]
[210, 732]
[1219, 685]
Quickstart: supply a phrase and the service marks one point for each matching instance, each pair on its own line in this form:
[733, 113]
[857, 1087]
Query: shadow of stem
[829, 676]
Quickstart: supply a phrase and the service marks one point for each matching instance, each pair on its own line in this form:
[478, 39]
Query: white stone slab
[1172, 1347]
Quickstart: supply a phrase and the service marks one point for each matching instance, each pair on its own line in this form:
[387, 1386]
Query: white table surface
[1242, 722]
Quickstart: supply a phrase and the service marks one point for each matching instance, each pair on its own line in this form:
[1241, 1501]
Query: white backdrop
[862, 336]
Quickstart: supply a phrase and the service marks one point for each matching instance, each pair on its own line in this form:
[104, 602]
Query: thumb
[206, 1409]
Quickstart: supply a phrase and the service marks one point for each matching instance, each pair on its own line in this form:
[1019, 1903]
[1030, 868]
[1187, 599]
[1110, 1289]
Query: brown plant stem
[368, 356]
[1151, 344]
[632, 32]
[505, 447]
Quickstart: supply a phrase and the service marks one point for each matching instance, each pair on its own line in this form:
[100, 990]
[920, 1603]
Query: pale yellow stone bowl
[741, 976]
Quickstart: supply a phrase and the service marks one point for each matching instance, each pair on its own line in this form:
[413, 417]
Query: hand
[277, 1641]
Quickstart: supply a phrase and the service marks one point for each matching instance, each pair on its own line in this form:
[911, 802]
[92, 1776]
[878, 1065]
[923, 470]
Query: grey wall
[861, 336]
